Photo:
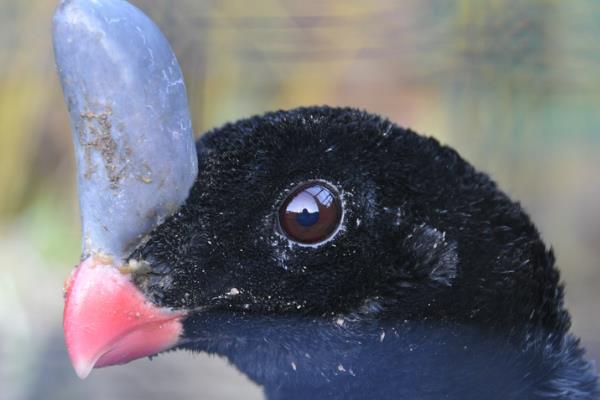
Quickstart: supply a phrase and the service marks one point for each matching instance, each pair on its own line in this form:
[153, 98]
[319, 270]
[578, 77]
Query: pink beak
[108, 321]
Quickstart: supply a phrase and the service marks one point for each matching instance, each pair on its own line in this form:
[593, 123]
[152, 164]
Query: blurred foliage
[512, 85]
[480, 74]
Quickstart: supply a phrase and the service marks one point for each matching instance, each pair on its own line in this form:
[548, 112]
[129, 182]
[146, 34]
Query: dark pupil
[306, 218]
[311, 213]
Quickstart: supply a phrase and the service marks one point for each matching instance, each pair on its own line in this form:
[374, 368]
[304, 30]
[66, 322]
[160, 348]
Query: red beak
[108, 321]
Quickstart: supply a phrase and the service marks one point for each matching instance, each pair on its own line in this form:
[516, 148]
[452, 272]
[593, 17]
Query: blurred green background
[514, 86]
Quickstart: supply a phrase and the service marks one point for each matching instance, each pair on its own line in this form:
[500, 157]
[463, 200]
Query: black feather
[429, 249]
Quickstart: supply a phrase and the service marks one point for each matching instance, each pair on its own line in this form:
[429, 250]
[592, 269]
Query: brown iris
[311, 213]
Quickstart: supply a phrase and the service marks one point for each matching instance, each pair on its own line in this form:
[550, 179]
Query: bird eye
[311, 213]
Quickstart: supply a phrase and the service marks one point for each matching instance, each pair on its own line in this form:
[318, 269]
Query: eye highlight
[311, 213]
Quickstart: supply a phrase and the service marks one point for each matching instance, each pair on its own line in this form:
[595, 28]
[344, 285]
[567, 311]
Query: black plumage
[437, 285]
[326, 252]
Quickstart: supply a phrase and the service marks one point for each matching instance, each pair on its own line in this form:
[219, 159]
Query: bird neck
[296, 358]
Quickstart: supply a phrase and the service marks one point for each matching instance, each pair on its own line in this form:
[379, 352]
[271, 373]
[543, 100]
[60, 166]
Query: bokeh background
[514, 86]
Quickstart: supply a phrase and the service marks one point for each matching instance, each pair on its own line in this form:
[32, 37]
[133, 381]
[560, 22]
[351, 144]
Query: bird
[324, 251]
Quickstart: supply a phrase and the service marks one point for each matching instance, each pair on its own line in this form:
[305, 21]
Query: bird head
[318, 212]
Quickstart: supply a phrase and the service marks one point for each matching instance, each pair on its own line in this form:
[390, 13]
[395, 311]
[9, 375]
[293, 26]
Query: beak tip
[82, 368]
[81, 361]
